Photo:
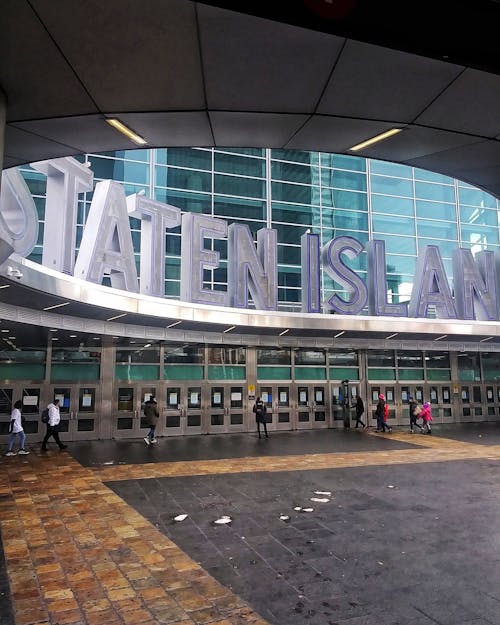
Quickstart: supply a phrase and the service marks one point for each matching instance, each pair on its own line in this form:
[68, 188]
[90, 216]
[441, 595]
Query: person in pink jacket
[426, 416]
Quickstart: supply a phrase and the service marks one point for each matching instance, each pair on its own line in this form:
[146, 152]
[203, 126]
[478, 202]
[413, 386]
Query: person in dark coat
[151, 413]
[360, 408]
[260, 415]
[381, 414]
[414, 410]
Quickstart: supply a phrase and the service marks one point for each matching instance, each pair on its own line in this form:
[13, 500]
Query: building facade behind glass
[204, 388]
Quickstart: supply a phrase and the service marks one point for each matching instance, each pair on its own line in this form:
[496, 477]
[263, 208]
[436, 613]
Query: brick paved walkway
[77, 553]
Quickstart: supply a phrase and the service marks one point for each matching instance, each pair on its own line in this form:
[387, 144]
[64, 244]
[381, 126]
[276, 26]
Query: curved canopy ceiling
[319, 76]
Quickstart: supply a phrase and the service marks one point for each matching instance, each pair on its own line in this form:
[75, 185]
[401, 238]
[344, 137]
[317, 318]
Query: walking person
[15, 428]
[414, 410]
[426, 415]
[360, 408]
[382, 413]
[54, 419]
[152, 415]
[260, 415]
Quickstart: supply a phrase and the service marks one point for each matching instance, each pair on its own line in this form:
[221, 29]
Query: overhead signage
[106, 249]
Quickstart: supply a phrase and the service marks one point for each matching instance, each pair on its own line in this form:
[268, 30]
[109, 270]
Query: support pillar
[3, 111]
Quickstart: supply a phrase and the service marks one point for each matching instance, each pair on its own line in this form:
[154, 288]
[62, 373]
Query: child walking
[426, 415]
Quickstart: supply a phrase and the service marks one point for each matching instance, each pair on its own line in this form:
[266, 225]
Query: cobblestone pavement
[409, 534]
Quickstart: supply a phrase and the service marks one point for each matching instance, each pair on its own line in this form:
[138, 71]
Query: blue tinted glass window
[136, 172]
[294, 156]
[291, 172]
[193, 202]
[295, 213]
[390, 169]
[239, 208]
[391, 186]
[134, 155]
[293, 193]
[399, 244]
[107, 168]
[185, 157]
[244, 151]
[344, 199]
[475, 234]
[436, 210]
[480, 216]
[243, 165]
[437, 229]
[445, 247]
[343, 179]
[289, 233]
[392, 224]
[431, 176]
[232, 185]
[392, 205]
[476, 197]
[345, 219]
[404, 265]
[289, 255]
[352, 163]
[429, 191]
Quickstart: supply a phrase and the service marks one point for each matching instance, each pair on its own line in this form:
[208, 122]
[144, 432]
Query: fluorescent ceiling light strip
[336, 336]
[284, 331]
[117, 317]
[229, 329]
[125, 130]
[441, 337]
[376, 139]
[391, 336]
[176, 323]
[5, 286]
[56, 306]
[488, 338]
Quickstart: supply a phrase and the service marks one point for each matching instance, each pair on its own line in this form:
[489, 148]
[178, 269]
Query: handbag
[417, 410]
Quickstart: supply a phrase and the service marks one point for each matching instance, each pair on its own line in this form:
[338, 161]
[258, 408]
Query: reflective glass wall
[326, 194]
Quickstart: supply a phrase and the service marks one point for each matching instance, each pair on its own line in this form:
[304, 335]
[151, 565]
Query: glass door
[390, 398]
[31, 411]
[226, 409]
[182, 411]
[312, 406]
[78, 410]
[277, 399]
[128, 415]
[6, 403]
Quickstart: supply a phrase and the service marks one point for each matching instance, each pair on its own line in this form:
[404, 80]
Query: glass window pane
[429, 191]
[392, 205]
[436, 210]
[476, 197]
[393, 224]
[233, 185]
[438, 229]
[184, 354]
[271, 356]
[310, 357]
[391, 186]
[390, 169]
[236, 164]
[381, 358]
[227, 355]
[437, 360]
[410, 359]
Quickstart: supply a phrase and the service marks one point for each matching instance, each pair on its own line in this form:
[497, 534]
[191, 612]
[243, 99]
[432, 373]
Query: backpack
[386, 412]
[45, 415]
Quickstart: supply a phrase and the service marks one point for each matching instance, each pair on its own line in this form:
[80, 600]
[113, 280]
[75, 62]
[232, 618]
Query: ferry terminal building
[103, 349]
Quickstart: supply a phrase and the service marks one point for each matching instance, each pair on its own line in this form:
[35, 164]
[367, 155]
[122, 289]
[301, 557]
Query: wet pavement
[409, 533]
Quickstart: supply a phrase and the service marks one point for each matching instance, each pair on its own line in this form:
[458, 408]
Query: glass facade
[293, 192]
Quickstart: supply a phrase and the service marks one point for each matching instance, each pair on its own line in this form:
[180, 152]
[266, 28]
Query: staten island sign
[106, 249]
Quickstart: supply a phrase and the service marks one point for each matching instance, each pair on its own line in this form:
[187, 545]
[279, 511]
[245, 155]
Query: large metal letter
[310, 273]
[107, 242]
[251, 270]
[343, 275]
[377, 283]
[18, 216]
[430, 287]
[474, 282]
[195, 258]
[66, 178]
[155, 218]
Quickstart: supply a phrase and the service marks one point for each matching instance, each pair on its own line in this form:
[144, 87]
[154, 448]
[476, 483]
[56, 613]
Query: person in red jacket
[426, 416]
